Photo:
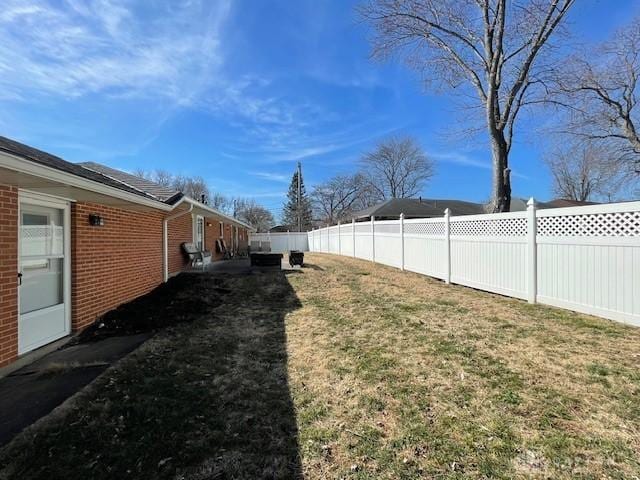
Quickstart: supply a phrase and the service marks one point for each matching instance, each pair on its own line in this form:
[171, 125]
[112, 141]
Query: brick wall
[114, 263]
[8, 274]
[110, 265]
[180, 231]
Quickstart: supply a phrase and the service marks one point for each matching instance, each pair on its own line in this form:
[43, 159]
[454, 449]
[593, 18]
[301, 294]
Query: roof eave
[29, 167]
[215, 212]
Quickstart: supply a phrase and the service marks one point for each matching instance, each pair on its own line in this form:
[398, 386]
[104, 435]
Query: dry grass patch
[417, 378]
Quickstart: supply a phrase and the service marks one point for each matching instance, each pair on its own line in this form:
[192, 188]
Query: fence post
[339, 239]
[353, 235]
[447, 241]
[373, 238]
[532, 262]
[402, 242]
[288, 241]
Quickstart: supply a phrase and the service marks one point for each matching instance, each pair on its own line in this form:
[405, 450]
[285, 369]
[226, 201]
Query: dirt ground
[346, 369]
[181, 299]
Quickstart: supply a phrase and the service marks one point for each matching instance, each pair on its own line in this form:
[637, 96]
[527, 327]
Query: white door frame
[195, 230]
[39, 199]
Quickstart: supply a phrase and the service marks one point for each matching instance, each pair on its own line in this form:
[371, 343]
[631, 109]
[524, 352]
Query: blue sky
[238, 91]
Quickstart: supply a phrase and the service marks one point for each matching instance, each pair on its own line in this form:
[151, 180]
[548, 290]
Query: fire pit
[296, 257]
[266, 259]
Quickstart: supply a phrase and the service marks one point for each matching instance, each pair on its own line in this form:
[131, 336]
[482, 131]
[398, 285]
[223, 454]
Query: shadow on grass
[313, 266]
[206, 400]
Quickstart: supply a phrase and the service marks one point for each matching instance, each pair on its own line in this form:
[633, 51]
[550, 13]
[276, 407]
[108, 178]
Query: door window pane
[42, 284]
[41, 232]
[41, 257]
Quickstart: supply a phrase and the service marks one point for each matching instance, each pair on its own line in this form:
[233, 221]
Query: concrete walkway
[34, 390]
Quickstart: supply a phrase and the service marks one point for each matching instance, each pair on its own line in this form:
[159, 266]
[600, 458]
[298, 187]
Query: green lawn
[353, 370]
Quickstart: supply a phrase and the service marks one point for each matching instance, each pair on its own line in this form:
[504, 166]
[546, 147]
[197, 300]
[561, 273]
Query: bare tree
[221, 202]
[249, 211]
[162, 177]
[159, 176]
[599, 88]
[337, 198]
[586, 171]
[396, 168]
[493, 46]
[194, 187]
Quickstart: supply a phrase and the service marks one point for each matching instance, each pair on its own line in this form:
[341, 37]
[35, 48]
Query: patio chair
[227, 254]
[195, 255]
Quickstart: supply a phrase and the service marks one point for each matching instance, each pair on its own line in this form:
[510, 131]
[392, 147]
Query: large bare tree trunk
[490, 46]
[501, 198]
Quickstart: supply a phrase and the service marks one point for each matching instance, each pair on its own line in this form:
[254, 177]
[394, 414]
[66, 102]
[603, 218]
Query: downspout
[165, 239]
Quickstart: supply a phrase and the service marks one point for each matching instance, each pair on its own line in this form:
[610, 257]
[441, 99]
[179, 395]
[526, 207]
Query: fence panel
[424, 247]
[364, 241]
[346, 240]
[588, 260]
[388, 243]
[489, 252]
[585, 259]
[283, 242]
[333, 239]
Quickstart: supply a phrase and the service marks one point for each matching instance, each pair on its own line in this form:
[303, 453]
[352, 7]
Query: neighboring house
[430, 208]
[520, 204]
[77, 240]
[281, 229]
[418, 208]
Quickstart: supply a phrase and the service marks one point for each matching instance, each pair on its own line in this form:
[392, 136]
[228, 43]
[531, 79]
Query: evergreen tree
[291, 208]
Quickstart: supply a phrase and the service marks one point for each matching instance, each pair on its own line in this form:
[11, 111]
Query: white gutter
[28, 167]
[165, 240]
[217, 213]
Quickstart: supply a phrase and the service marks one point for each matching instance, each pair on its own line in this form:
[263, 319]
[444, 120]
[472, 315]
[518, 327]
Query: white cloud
[274, 177]
[465, 160]
[460, 159]
[120, 48]
[162, 56]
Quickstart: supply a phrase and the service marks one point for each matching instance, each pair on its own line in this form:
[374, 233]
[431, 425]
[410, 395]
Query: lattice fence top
[503, 227]
[388, 228]
[41, 232]
[424, 228]
[614, 224]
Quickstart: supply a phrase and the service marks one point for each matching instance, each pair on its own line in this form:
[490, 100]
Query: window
[221, 230]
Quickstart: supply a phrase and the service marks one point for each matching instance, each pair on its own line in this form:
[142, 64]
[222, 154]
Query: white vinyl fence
[281, 242]
[585, 259]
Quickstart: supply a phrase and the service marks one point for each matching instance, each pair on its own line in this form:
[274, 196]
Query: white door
[199, 236]
[43, 268]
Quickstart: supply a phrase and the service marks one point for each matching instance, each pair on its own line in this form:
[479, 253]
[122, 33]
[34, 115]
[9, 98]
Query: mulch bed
[180, 300]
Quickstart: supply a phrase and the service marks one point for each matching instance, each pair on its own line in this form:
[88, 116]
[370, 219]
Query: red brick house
[77, 240]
